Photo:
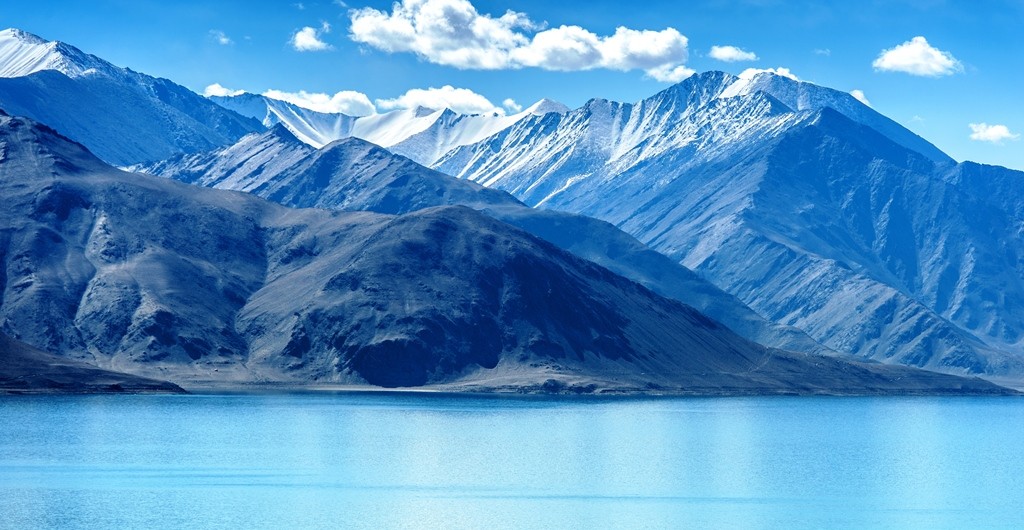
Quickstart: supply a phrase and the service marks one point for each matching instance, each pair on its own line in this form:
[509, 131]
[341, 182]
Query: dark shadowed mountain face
[150, 276]
[24, 369]
[355, 175]
[124, 117]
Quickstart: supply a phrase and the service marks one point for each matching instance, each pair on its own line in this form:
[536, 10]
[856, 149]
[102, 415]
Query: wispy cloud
[309, 39]
[917, 57]
[825, 52]
[859, 95]
[454, 33]
[217, 90]
[731, 54]
[220, 37]
[996, 134]
[749, 73]
[511, 106]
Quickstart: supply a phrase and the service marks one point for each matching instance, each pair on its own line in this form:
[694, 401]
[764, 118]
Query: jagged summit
[22, 54]
[281, 132]
[421, 111]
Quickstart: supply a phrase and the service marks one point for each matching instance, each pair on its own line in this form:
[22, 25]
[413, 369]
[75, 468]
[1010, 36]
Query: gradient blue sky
[829, 43]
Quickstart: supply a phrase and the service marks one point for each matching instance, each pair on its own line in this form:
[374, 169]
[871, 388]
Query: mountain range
[808, 206]
[353, 174]
[145, 275]
[588, 246]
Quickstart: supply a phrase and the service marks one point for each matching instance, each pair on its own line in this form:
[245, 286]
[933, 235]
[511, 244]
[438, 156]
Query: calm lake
[435, 461]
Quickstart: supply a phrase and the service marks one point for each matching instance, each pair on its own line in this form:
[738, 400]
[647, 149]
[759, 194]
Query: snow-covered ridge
[122, 116]
[22, 54]
[420, 133]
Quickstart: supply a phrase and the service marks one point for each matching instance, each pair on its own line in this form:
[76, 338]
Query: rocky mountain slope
[352, 174]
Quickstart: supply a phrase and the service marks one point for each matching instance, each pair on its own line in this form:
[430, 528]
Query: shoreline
[527, 392]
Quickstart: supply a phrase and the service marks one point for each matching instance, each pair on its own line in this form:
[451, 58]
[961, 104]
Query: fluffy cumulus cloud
[217, 90]
[454, 33]
[310, 39]
[859, 94]
[917, 57]
[460, 100]
[996, 134]
[731, 54]
[346, 102]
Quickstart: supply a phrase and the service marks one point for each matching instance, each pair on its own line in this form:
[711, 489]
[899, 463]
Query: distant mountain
[813, 209]
[123, 116]
[420, 133]
[352, 174]
[151, 276]
[346, 174]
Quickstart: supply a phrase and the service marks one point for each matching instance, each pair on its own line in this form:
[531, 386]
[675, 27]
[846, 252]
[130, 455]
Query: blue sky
[967, 70]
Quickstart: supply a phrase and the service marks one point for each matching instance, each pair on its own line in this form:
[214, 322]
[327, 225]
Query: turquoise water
[401, 461]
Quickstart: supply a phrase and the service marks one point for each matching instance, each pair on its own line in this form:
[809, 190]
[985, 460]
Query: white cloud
[859, 95]
[308, 39]
[823, 52]
[460, 100]
[917, 57]
[511, 106]
[217, 90]
[983, 132]
[731, 54]
[346, 102]
[749, 73]
[220, 37]
[670, 74]
[454, 33]
[448, 32]
[630, 49]
[563, 48]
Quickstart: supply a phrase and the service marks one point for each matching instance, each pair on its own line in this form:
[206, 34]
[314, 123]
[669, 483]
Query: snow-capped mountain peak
[421, 111]
[22, 54]
[546, 106]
